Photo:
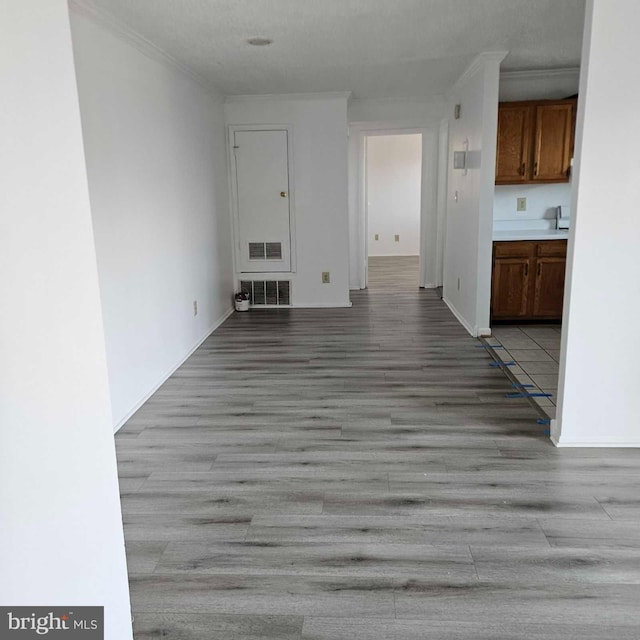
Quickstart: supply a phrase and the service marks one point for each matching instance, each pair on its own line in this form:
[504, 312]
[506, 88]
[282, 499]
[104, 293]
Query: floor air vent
[267, 292]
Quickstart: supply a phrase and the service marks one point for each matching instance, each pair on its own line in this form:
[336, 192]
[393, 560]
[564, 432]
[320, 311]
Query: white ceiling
[374, 48]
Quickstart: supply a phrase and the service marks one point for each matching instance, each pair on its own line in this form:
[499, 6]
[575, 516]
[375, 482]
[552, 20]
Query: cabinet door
[510, 288]
[549, 288]
[552, 151]
[514, 143]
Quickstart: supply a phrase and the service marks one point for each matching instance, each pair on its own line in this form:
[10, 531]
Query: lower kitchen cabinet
[528, 280]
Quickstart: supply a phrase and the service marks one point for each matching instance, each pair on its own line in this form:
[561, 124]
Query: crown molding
[135, 39]
[478, 63]
[327, 95]
[536, 74]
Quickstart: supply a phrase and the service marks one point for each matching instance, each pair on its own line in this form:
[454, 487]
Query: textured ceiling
[374, 48]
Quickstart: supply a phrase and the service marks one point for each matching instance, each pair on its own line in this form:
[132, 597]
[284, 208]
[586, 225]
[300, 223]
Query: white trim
[556, 439]
[172, 369]
[328, 95]
[233, 193]
[441, 198]
[476, 64]
[535, 74]
[428, 206]
[358, 232]
[135, 39]
[309, 305]
[460, 318]
[321, 305]
[597, 445]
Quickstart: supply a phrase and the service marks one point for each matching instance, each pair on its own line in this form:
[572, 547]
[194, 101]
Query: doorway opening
[393, 185]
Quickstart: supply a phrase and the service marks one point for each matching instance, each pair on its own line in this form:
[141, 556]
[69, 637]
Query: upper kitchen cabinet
[535, 141]
[554, 136]
[514, 141]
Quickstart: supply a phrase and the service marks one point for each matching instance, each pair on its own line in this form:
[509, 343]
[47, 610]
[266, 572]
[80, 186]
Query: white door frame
[358, 232]
[233, 189]
[443, 180]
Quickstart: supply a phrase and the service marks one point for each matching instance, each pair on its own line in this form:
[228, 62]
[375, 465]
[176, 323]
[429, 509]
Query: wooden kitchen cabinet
[549, 288]
[528, 280]
[514, 142]
[535, 141]
[553, 146]
[511, 280]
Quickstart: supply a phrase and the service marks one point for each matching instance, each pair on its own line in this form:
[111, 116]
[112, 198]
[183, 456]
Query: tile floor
[536, 350]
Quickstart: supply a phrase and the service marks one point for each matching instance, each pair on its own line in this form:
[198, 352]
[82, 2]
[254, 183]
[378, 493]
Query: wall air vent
[273, 250]
[275, 293]
[265, 251]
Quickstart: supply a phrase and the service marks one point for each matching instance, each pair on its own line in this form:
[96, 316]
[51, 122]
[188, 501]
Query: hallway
[359, 473]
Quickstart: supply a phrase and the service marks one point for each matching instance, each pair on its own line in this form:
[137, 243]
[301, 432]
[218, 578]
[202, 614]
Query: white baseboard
[167, 374]
[393, 255]
[484, 332]
[429, 285]
[461, 319]
[313, 305]
[557, 440]
[596, 445]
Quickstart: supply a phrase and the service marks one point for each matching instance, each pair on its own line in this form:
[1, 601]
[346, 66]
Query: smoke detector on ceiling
[259, 42]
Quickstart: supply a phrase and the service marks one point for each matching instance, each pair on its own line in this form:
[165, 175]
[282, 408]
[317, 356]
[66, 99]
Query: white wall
[600, 342]
[320, 188]
[61, 528]
[156, 160]
[394, 174]
[428, 111]
[467, 259]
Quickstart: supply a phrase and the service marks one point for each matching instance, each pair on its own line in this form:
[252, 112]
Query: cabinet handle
[535, 169]
[526, 269]
[523, 169]
[539, 268]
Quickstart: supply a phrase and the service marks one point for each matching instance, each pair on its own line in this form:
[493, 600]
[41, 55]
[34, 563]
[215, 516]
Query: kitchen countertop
[531, 234]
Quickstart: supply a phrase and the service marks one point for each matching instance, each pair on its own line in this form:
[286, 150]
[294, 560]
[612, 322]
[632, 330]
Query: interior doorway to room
[393, 185]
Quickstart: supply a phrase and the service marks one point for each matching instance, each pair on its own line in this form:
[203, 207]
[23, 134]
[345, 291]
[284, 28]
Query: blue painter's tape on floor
[544, 421]
[502, 364]
[524, 394]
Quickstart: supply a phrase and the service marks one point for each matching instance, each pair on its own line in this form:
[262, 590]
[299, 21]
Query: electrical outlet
[397, 238]
[521, 204]
[376, 237]
[195, 307]
[458, 284]
[326, 277]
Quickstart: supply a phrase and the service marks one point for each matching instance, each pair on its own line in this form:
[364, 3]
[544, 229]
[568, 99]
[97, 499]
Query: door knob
[283, 194]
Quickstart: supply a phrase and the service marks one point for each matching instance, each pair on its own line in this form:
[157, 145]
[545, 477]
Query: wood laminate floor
[359, 474]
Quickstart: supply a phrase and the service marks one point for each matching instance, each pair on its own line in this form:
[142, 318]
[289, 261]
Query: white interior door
[262, 183]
